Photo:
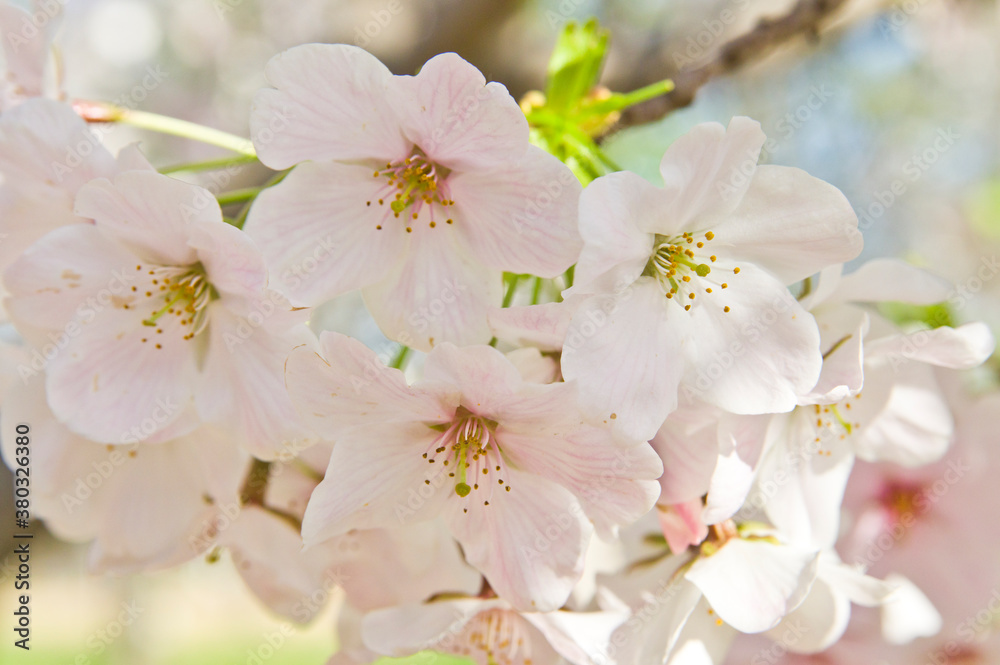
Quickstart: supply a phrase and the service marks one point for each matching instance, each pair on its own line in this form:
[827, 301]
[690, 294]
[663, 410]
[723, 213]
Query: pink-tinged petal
[347, 385]
[581, 638]
[131, 158]
[753, 584]
[623, 353]
[150, 213]
[803, 485]
[243, 384]
[120, 381]
[792, 224]
[63, 491]
[964, 347]
[440, 293]
[25, 50]
[758, 357]
[859, 588]
[545, 433]
[232, 262]
[529, 542]
[262, 545]
[533, 366]
[741, 440]
[319, 231]
[667, 612]
[520, 217]
[45, 142]
[406, 564]
[892, 280]
[167, 505]
[332, 101]
[483, 376]
[817, 623]
[842, 331]
[407, 629]
[397, 488]
[458, 119]
[682, 525]
[908, 613]
[704, 640]
[616, 249]
[75, 272]
[541, 326]
[688, 445]
[903, 416]
[706, 173]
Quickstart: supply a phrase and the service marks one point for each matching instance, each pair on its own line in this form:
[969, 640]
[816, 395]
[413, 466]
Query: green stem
[237, 195]
[242, 217]
[508, 297]
[400, 359]
[176, 127]
[619, 101]
[210, 164]
[536, 292]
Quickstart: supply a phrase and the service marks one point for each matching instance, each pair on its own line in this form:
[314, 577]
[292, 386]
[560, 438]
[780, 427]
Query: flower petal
[541, 326]
[613, 479]
[892, 280]
[73, 272]
[752, 585]
[243, 384]
[964, 347]
[616, 249]
[908, 613]
[150, 213]
[232, 262]
[398, 488]
[348, 386]
[319, 231]
[791, 224]
[458, 119]
[621, 350]
[520, 217]
[758, 357]
[332, 101]
[529, 542]
[440, 293]
[706, 173]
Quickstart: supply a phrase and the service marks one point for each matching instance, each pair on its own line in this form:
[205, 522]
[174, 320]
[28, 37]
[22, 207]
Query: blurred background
[894, 103]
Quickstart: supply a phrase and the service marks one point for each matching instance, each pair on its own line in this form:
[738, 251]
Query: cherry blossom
[687, 281]
[419, 190]
[516, 469]
[155, 301]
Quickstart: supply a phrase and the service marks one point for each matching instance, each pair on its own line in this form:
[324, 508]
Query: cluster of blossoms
[630, 437]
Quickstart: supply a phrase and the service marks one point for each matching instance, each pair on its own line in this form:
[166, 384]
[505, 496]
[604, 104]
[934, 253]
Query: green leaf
[575, 65]
[933, 316]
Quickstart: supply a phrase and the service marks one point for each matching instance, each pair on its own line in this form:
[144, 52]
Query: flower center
[468, 446]
[676, 262]
[833, 423]
[176, 295]
[500, 636]
[415, 187]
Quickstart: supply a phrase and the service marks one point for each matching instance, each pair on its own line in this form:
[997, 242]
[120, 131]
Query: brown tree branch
[805, 18]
